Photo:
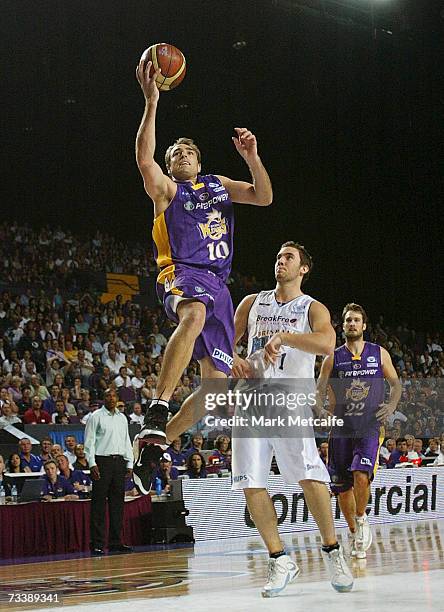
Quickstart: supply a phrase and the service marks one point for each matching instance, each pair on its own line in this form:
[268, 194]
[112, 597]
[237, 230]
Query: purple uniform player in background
[193, 236]
[356, 373]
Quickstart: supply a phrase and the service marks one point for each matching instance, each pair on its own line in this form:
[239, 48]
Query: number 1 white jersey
[268, 317]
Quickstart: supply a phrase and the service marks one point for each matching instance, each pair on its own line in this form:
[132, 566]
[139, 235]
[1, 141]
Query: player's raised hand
[245, 143]
[241, 368]
[147, 82]
[272, 349]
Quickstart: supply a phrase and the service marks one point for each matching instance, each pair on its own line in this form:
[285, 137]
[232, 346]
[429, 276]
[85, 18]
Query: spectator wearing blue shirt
[196, 466]
[54, 486]
[28, 460]
[174, 450]
[76, 478]
[166, 472]
[197, 442]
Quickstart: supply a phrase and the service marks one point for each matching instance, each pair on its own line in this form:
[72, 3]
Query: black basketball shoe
[149, 445]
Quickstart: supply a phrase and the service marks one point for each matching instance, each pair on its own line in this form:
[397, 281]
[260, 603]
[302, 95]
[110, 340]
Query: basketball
[171, 62]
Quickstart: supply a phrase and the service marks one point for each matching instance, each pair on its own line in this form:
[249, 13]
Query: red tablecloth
[40, 528]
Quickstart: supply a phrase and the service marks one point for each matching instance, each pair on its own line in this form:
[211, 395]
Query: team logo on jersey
[357, 391]
[204, 196]
[356, 366]
[371, 359]
[213, 185]
[188, 205]
[215, 227]
[198, 289]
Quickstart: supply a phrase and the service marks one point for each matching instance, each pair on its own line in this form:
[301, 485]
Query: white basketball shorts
[298, 459]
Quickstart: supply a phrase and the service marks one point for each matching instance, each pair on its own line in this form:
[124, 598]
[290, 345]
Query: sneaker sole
[275, 592]
[342, 589]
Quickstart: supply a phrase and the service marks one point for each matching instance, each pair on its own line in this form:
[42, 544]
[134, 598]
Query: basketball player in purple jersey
[193, 236]
[356, 372]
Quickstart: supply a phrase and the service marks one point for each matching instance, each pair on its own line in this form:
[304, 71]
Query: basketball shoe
[340, 575]
[363, 536]
[149, 445]
[352, 543]
[281, 571]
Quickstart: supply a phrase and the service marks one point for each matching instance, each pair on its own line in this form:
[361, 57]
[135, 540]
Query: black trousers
[111, 487]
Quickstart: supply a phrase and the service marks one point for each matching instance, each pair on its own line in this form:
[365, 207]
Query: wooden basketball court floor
[404, 567]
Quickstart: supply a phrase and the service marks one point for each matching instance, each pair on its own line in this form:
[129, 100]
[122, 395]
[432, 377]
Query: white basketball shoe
[340, 574]
[281, 571]
[352, 543]
[363, 536]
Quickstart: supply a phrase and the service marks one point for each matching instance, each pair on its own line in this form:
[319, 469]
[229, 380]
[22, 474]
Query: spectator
[56, 487]
[196, 465]
[433, 448]
[70, 408]
[197, 442]
[417, 447]
[323, 451]
[221, 454]
[174, 450]
[36, 415]
[7, 417]
[49, 402]
[137, 416]
[400, 454]
[37, 388]
[148, 389]
[4, 481]
[166, 472]
[81, 462]
[76, 478]
[56, 450]
[60, 416]
[70, 446]
[27, 459]
[45, 449]
[124, 386]
[15, 464]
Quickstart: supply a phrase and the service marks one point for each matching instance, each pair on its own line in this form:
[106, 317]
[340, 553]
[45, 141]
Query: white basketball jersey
[268, 317]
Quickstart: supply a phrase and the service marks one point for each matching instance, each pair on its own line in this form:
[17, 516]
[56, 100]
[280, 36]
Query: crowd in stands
[61, 348]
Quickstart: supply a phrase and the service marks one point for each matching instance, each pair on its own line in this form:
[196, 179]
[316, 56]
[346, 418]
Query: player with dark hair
[286, 330]
[356, 372]
[193, 237]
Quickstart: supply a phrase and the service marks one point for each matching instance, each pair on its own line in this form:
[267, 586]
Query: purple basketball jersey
[359, 387]
[196, 230]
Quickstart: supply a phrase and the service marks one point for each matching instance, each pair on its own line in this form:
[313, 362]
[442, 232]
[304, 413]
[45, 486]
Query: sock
[276, 555]
[360, 517]
[161, 402]
[328, 549]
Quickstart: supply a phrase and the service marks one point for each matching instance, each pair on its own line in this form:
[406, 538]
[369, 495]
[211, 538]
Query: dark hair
[186, 141]
[192, 471]
[9, 469]
[398, 440]
[304, 255]
[355, 308]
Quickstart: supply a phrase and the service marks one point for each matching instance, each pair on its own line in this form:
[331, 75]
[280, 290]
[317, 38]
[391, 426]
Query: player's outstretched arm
[241, 367]
[158, 186]
[260, 192]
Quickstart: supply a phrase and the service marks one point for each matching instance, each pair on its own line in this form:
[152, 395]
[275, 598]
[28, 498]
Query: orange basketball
[170, 60]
